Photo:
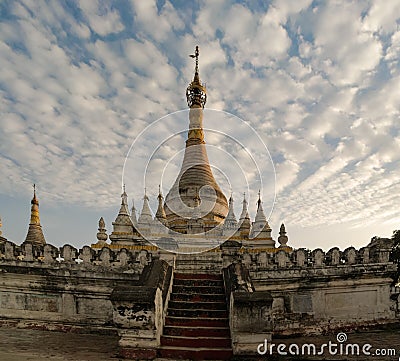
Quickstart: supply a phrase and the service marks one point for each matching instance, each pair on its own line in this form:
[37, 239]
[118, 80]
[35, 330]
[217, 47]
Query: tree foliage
[395, 253]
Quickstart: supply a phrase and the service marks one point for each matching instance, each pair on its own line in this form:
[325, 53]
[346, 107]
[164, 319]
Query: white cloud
[319, 81]
[102, 18]
[286, 174]
[153, 23]
[342, 49]
[382, 17]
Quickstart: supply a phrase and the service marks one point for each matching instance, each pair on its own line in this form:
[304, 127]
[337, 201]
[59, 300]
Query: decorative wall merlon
[68, 256]
[306, 259]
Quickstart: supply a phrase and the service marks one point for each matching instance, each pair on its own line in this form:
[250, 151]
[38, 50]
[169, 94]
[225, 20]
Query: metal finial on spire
[34, 191]
[124, 197]
[196, 93]
[34, 199]
[259, 199]
[145, 197]
[196, 56]
[245, 213]
[160, 196]
[124, 201]
[133, 215]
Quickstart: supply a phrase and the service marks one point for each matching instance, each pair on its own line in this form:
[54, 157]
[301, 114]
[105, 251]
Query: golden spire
[35, 233]
[160, 214]
[260, 230]
[145, 216]
[35, 218]
[196, 171]
[244, 220]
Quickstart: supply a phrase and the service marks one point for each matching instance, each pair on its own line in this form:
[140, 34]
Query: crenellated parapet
[316, 259]
[69, 257]
[113, 258]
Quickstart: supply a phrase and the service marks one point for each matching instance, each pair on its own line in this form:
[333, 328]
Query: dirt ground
[33, 345]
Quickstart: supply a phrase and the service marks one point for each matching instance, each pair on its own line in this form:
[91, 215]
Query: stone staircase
[197, 324]
[206, 262]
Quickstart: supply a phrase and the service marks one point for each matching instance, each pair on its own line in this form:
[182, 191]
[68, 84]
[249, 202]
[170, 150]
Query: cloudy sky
[318, 80]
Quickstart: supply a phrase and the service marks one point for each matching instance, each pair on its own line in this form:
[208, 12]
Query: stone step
[198, 282]
[196, 342]
[198, 290]
[196, 322]
[198, 276]
[186, 353]
[196, 331]
[216, 305]
[193, 313]
[201, 265]
[198, 267]
[193, 297]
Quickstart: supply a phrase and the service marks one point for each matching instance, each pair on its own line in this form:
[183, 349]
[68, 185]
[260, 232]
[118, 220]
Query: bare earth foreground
[34, 345]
